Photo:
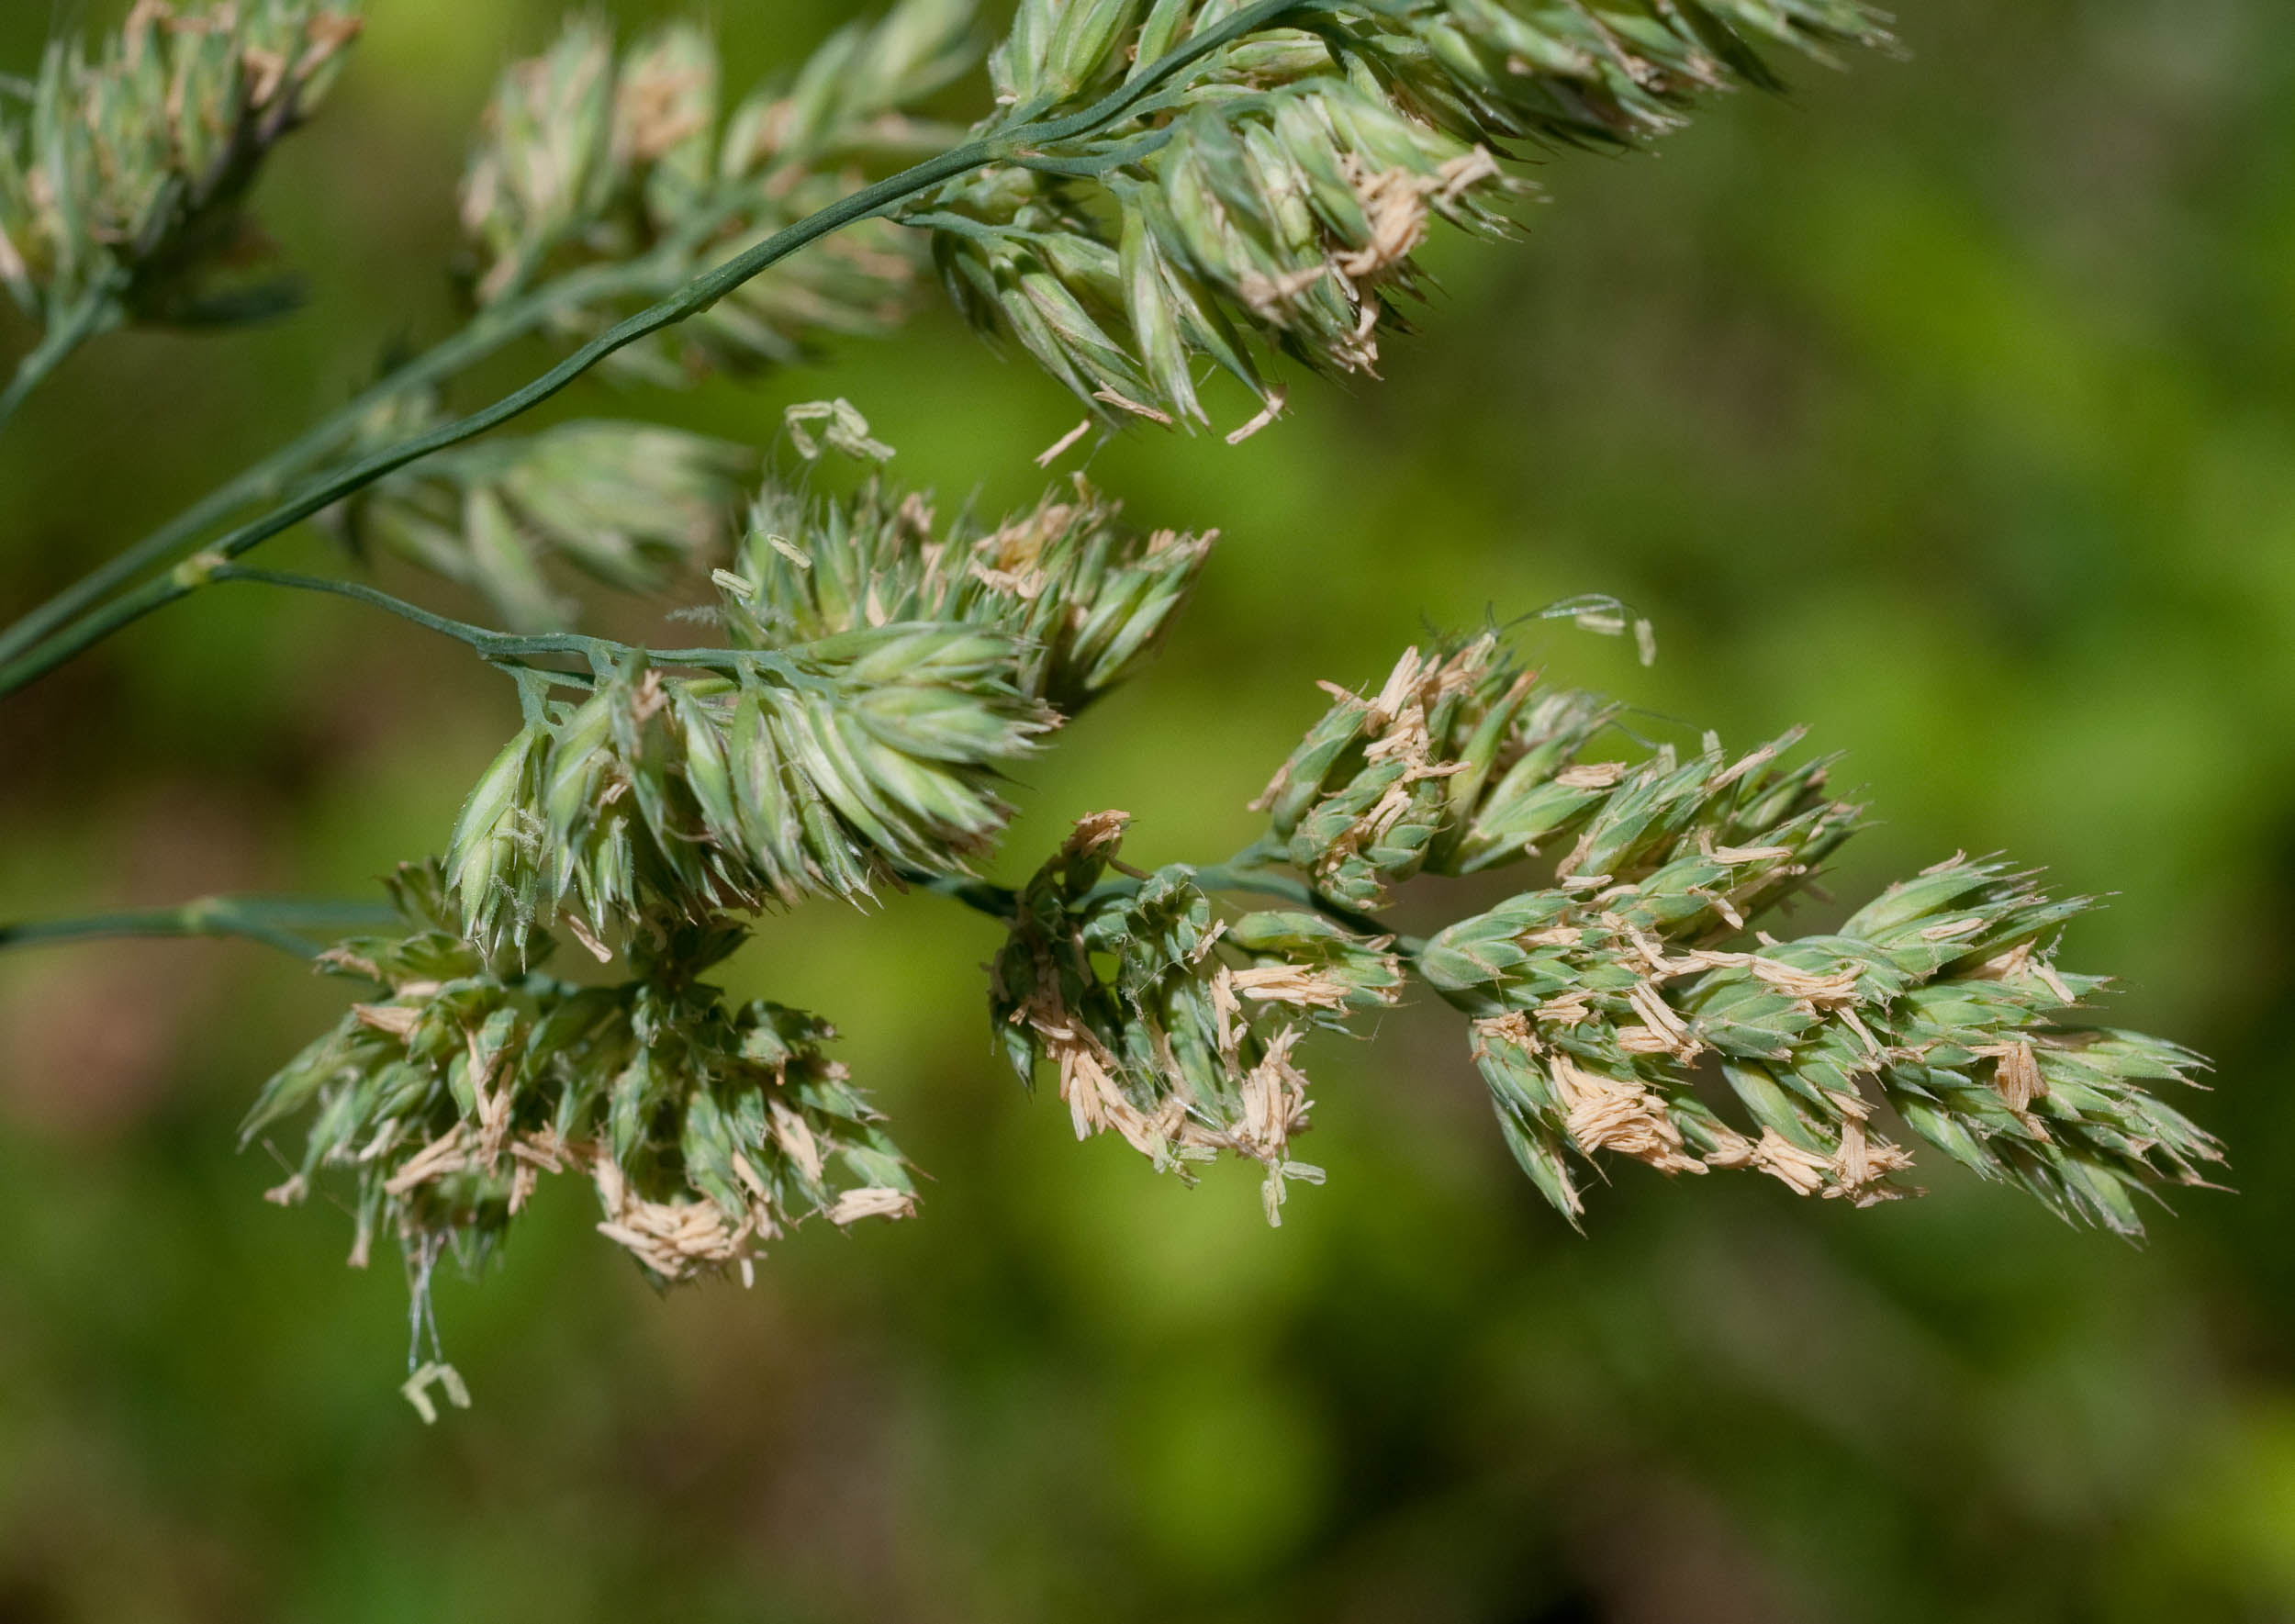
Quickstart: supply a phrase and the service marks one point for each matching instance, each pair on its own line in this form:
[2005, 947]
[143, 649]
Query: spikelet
[633, 505]
[592, 156]
[824, 771]
[705, 1130]
[1083, 596]
[1187, 1050]
[1278, 192]
[1597, 1003]
[128, 175]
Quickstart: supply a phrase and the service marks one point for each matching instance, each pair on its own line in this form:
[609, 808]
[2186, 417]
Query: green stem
[270, 921]
[500, 648]
[1242, 874]
[1227, 877]
[95, 311]
[696, 296]
[998, 902]
[489, 332]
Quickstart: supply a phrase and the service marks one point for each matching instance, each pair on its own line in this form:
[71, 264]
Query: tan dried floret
[1619, 1114]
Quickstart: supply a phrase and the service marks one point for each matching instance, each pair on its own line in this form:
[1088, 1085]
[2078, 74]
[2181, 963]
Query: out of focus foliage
[1949, 410]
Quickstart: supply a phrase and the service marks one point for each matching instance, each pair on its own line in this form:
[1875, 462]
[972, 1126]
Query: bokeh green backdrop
[1948, 407]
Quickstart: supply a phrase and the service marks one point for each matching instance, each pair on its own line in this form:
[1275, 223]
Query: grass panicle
[1175, 1030]
[594, 156]
[705, 1130]
[1275, 201]
[1163, 190]
[124, 179]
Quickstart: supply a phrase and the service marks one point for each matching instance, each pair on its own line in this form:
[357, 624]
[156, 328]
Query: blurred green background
[1948, 406]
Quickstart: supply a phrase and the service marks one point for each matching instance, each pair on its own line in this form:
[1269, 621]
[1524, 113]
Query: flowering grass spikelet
[1171, 1028]
[1607, 1007]
[705, 1131]
[822, 771]
[592, 156]
[630, 505]
[125, 179]
[1083, 596]
[1275, 195]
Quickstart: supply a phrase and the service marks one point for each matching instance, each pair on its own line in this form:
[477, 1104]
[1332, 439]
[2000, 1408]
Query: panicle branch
[897, 665]
[1172, 1029]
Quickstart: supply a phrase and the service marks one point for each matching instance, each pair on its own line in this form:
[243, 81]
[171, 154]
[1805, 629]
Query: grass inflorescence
[1151, 192]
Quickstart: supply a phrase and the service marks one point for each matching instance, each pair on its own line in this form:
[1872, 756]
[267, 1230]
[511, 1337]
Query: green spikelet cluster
[1618, 1008]
[1459, 763]
[816, 771]
[592, 156]
[1446, 767]
[1278, 191]
[631, 505]
[126, 175]
[705, 1130]
[1172, 1029]
[1167, 190]
[1083, 596]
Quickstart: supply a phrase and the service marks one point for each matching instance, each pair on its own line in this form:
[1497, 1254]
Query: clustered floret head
[705, 1130]
[125, 177]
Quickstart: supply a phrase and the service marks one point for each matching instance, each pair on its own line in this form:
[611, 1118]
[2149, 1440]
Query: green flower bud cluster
[819, 770]
[1083, 596]
[590, 157]
[1612, 1007]
[1175, 1030]
[705, 1130]
[629, 504]
[125, 177]
[1283, 187]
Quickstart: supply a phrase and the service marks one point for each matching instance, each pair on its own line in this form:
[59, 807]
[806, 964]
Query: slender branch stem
[699, 294]
[504, 648]
[91, 315]
[998, 902]
[488, 332]
[269, 920]
[696, 296]
[1245, 873]
[1224, 877]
